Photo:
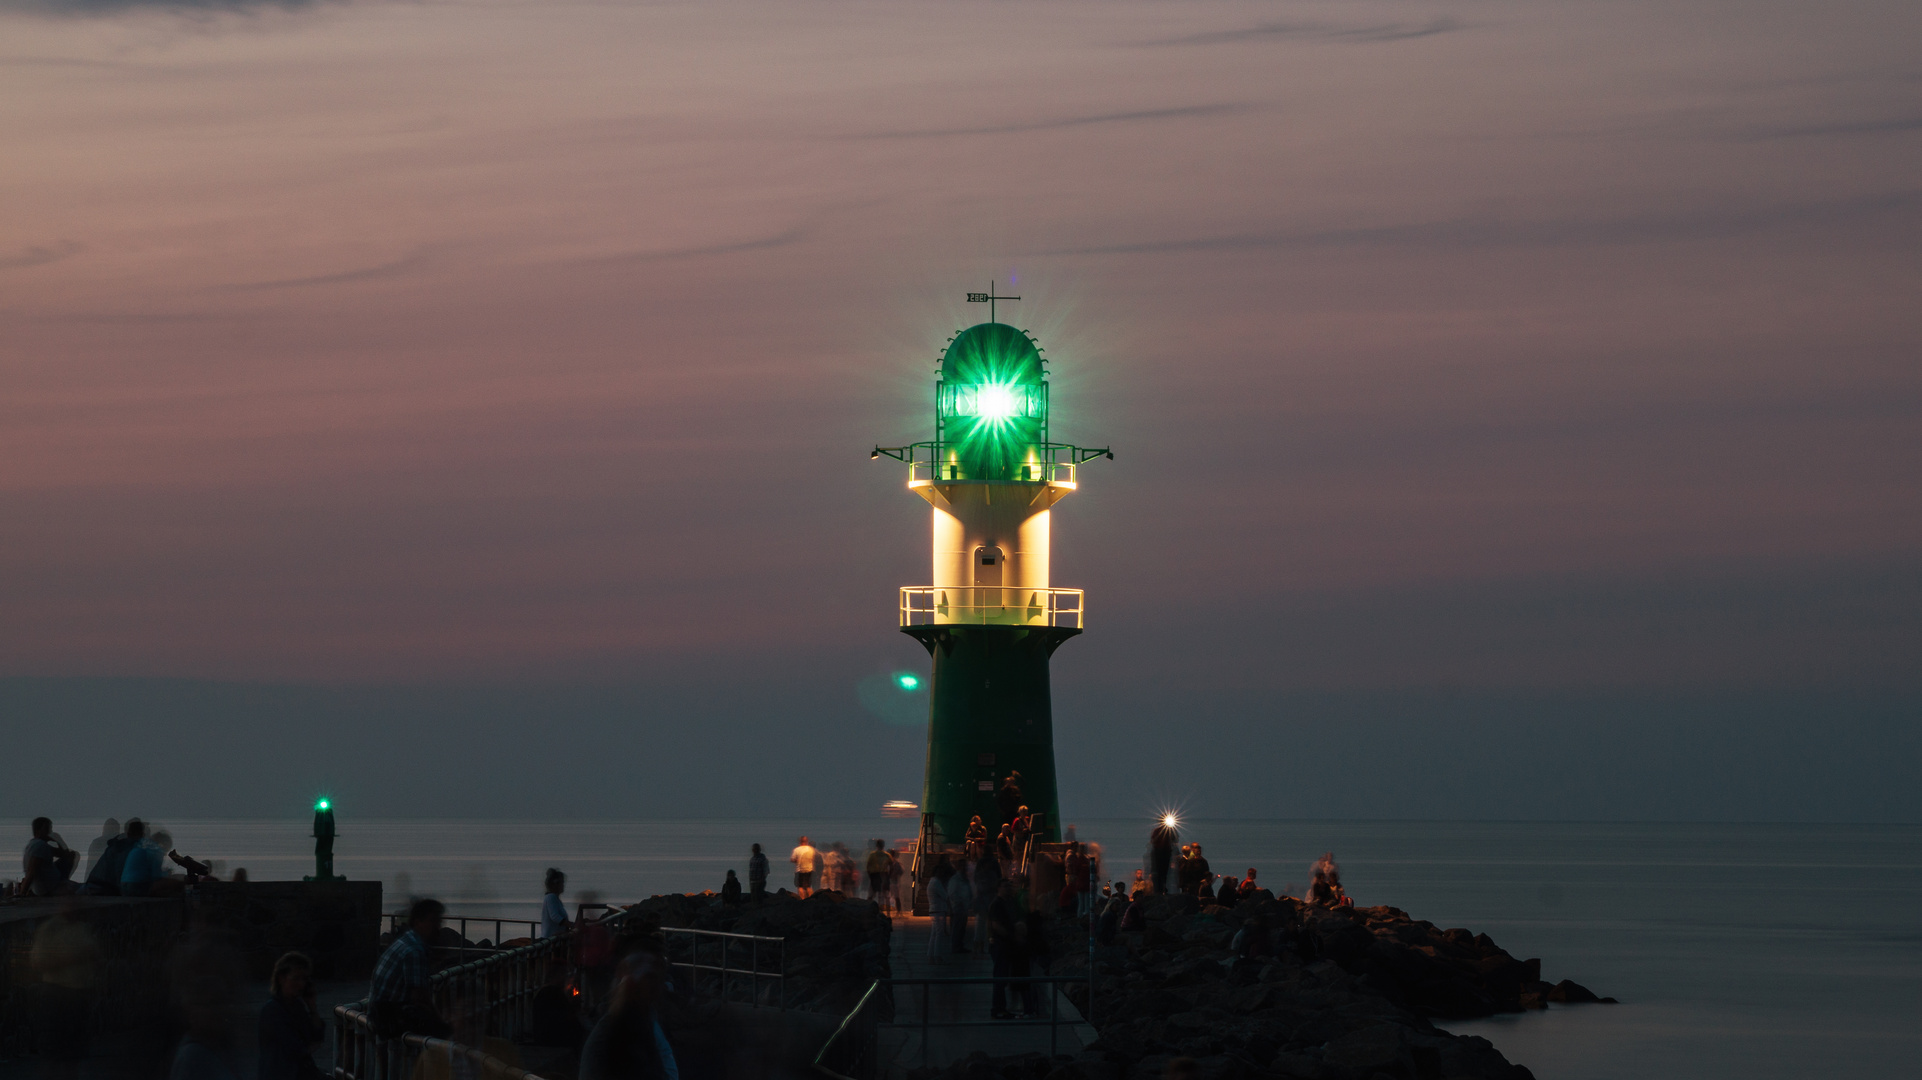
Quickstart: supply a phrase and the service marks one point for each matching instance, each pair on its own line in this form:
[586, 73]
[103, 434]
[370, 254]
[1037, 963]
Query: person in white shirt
[804, 859]
[554, 913]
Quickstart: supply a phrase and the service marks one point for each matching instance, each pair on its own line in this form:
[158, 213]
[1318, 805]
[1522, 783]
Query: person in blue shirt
[143, 864]
[554, 913]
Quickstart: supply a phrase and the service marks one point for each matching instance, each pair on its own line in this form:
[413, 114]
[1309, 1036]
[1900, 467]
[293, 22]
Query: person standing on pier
[554, 913]
[1162, 841]
[757, 875]
[803, 858]
[880, 875]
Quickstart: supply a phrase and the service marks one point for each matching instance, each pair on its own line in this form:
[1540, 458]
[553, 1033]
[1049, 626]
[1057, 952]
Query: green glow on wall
[908, 681]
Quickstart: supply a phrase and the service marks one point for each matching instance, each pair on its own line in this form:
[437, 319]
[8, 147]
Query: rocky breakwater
[835, 946]
[1332, 994]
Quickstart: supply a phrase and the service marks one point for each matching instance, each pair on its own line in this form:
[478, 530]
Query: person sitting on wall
[47, 864]
[976, 838]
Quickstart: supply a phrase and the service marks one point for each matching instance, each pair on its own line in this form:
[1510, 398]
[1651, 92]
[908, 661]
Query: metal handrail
[358, 1055]
[1054, 1021]
[835, 1040]
[753, 971]
[506, 982]
[998, 605]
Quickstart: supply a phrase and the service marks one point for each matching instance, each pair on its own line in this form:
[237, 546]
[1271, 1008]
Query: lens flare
[908, 681]
[1169, 820]
[323, 804]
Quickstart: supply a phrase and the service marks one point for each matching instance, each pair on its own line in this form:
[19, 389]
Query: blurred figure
[629, 1043]
[240, 875]
[105, 864]
[1110, 921]
[899, 896]
[940, 938]
[804, 858]
[1069, 836]
[1008, 799]
[880, 870]
[468, 1012]
[1036, 958]
[1248, 886]
[757, 875]
[1162, 841]
[108, 831]
[1325, 888]
[960, 903]
[731, 889]
[290, 1023]
[399, 997]
[47, 863]
[64, 956]
[1076, 870]
[141, 867]
[841, 866]
[1005, 930]
[1140, 884]
[987, 882]
[553, 912]
[207, 975]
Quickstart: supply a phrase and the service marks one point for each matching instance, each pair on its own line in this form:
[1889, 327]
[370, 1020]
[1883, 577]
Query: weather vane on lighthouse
[991, 618]
[988, 298]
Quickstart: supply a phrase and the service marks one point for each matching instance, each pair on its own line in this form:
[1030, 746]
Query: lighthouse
[991, 617]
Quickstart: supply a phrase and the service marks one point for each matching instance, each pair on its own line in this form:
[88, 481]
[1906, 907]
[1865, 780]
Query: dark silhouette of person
[1008, 799]
[1006, 928]
[400, 996]
[731, 890]
[1162, 841]
[629, 1043]
[290, 1023]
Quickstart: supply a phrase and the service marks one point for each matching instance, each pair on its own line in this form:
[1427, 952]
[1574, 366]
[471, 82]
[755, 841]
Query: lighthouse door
[988, 562]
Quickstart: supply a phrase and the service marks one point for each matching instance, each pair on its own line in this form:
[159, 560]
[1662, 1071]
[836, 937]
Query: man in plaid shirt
[400, 998]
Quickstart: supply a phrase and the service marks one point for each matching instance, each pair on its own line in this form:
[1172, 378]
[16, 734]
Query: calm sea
[1753, 951]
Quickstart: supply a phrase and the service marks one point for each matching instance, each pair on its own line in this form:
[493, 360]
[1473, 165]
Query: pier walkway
[902, 1047]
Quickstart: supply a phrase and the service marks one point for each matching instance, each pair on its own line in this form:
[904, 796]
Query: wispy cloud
[84, 8]
[367, 273]
[1893, 125]
[38, 255]
[1182, 112]
[1484, 232]
[780, 239]
[1396, 31]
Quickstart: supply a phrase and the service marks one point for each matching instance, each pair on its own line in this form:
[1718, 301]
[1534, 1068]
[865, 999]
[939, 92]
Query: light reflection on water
[1738, 950]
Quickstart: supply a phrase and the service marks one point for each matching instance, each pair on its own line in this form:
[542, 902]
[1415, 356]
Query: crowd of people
[130, 860]
[880, 869]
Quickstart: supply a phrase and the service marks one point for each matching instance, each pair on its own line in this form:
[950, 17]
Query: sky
[484, 389]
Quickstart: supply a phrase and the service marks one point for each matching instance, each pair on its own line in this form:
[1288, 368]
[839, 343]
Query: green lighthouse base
[991, 715]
